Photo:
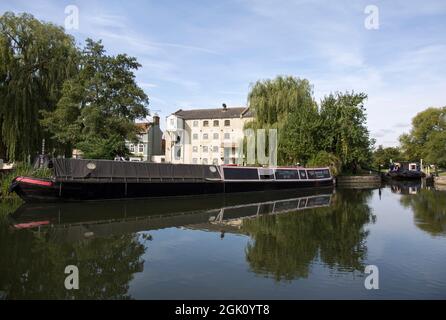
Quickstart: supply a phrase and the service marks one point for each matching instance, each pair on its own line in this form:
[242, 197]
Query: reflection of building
[150, 142]
[207, 136]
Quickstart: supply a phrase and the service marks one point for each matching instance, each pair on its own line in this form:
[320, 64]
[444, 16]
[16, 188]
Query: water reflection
[429, 209]
[33, 265]
[285, 246]
[427, 203]
[217, 246]
[102, 238]
[405, 187]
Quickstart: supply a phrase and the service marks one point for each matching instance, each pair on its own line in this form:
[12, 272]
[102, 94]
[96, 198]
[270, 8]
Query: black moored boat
[80, 180]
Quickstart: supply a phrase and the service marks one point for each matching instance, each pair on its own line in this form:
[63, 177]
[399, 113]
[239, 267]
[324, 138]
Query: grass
[442, 172]
[21, 169]
[8, 206]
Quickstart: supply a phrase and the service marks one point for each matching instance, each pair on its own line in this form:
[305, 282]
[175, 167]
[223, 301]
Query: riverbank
[359, 181]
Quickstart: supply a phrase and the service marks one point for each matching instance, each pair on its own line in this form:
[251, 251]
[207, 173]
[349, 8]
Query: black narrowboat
[82, 180]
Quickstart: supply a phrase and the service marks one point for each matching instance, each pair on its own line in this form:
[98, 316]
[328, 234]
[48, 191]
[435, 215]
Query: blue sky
[199, 54]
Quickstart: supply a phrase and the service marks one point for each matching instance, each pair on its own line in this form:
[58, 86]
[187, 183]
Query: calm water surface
[288, 245]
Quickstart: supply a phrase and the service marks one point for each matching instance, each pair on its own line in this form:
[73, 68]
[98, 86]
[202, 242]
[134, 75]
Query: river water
[283, 245]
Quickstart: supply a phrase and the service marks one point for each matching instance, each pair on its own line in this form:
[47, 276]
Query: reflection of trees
[32, 266]
[429, 208]
[284, 245]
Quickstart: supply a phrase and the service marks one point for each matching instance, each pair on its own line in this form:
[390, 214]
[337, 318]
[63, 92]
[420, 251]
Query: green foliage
[382, 156]
[338, 127]
[325, 159]
[427, 138]
[343, 129]
[273, 100]
[98, 106]
[35, 60]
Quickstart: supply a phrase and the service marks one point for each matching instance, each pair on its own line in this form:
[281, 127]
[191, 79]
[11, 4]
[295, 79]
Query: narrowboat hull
[49, 190]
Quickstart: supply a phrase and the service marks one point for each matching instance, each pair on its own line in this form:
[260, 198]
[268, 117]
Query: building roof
[143, 127]
[217, 113]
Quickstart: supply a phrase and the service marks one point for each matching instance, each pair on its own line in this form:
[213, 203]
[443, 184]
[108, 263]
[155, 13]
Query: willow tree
[286, 104]
[35, 60]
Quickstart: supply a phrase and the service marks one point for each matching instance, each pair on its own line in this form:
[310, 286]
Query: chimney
[156, 120]
[224, 106]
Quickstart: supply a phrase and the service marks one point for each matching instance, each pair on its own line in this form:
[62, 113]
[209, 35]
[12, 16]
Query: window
[141, 148]
[195, 161]
[194, 149]
[215, 161]
[215, 149]
[205, 149]
[177, 150]
[216, 123]
[302, 174]
[227, 136]
[241, 174]
[205, 161]
[206, 123]
[205, 136]
[195, 136]
[227, 123]
[195, 123]
[216, 136]
[172, 123]
[132, 148]
[286, 174]
[318, 174]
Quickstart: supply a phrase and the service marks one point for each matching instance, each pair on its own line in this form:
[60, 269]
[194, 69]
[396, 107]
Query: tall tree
[427, 138]
[286, 104]
[98, 107]
[343, 130]
[35, 59]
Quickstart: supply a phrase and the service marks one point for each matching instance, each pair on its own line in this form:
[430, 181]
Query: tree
[382, 156]
[427, 137]
[35, 60]
[98, 107]
[286, 104]
[343, 130]
[325, 159]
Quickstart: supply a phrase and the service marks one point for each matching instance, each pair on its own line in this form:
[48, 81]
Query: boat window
[266, 176]
[302, 174]
[318, 174]
[282, 174]
[241, 174]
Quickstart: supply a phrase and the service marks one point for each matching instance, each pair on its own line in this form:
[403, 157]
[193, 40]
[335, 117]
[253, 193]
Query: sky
[200, 54]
